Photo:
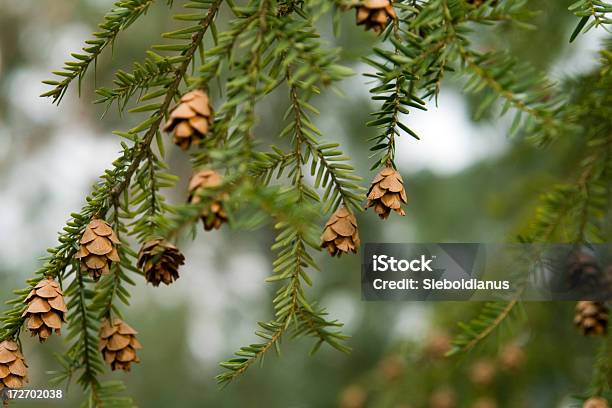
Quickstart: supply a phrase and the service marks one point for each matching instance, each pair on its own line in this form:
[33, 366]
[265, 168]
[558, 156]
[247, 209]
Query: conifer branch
[118, 19]
[154, 121]
[488, 320]
[598, 10]
[602, 372]
[529, 93]
[269, 44]
[579, 206]
[114, 184]
[153, 72]
[267, 163]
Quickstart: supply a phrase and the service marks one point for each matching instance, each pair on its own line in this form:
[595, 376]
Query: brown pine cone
[584, 273]
[482, 372]
[375, 14]
[213, 215]
[353, 396]
[391, 367]
[97, 250]
[596, 402]
[387, 193]
[190, 119]
[484, 402]
[13, 368]
[438, 343]
[512, 357]
[591, 318]
[160, 261]
[340, 233]
[118, 344]
[46, 309]
[443, 398]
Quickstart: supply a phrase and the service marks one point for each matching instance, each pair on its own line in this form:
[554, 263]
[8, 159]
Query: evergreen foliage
[268, 45]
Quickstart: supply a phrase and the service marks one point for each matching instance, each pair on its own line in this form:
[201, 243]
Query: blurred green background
[467, 182]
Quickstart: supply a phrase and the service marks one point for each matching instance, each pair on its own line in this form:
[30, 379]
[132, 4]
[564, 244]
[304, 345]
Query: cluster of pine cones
[386, 193]
[99, 249]
[585, 275]
[190, 121]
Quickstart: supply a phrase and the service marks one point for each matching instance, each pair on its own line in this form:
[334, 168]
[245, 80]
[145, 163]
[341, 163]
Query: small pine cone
[443, 398]
[340, 233]
[596, 402]
[391, 367]
[375, 14]
[512, 357]
[584, 273]
[387, 193]
[118, 344]
[353, 396]
[482, 372]
[190, 119]
[213, 215]
[13, 368]
[160, 261]
[46, 309]
[97, 250]
[591, 318]
[437, 345]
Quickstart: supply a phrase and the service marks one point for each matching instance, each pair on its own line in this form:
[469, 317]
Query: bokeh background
[466, 180]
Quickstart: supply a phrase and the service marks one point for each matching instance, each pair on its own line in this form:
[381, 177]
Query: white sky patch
[25, 88]
[450, 141]
[581, 56]
[40, 192]
[343, 305]
[215, 295]
[412, 321]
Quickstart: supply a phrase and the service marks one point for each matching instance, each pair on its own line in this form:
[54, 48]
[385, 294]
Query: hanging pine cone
[46, 309]
[591, 318]
[438, 343]
[584, 274]
[190, 119]
[387, 193]
[118, 344]
[443, 398]
[97, 250]
[375, 14]
[340, 233]
[213, 215]
[596, 402]
[13, 368]
[482, 372]
[353, 396]
[391, 367]
[160, 261]
[512, 357]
